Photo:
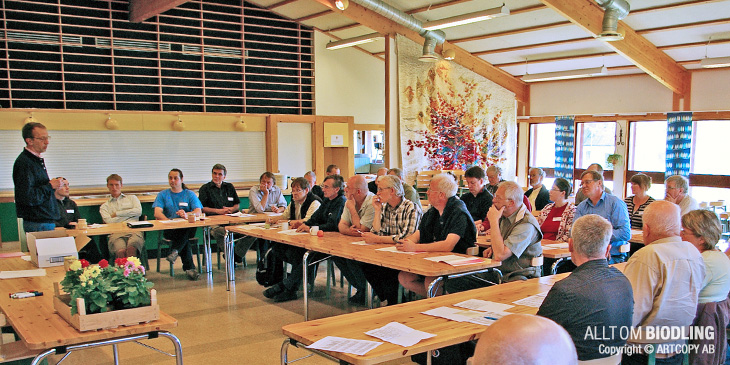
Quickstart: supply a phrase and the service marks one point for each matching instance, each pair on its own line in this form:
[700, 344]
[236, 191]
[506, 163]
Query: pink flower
[103, 264]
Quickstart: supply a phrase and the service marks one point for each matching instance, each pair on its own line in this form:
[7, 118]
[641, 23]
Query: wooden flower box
[112, 319]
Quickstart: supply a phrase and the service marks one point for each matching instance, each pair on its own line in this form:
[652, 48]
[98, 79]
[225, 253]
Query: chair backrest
[423, 179]
[21, 236]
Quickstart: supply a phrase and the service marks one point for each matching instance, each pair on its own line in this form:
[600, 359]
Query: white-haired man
[446, 227]
[666, 276]
[676, 189]
[594, 296]
[538, 193]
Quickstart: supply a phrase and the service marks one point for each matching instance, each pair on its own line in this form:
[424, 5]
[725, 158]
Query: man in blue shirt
[607, 206]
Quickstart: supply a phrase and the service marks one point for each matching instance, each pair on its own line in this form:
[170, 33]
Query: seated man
[478, 200]
[327, 217]
[676, 188]
[494, 177]
[372, 186]
[333, 170]
[524, 339]
[607, 206]
[70, 215]
[594, 296]
[538, 193]
[579, 196]
[408, 190]
[122, 208]
[395, 219]
[446, 227]
[266, 197]
[316, 189]
[304, 203]
[666, 276]
[357, 217]
[219, 197]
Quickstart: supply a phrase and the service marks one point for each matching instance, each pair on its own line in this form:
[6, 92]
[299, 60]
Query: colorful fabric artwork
[452, 118]
[679, 143]
[564, 146]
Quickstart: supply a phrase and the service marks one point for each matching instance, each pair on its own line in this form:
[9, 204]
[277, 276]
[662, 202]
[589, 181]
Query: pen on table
[492, 318]
[26, 294]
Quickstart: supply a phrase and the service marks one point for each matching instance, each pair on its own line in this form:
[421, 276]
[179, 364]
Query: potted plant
[614, 159]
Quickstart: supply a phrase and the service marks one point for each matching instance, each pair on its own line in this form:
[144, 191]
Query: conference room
[139, 88]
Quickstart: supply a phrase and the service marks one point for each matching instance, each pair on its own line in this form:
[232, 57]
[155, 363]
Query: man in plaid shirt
[395, 218]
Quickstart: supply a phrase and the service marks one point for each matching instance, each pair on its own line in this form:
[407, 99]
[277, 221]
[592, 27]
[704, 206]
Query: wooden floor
[220, 327]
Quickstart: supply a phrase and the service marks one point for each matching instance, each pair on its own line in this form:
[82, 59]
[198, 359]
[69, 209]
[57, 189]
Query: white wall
[348, 82]
[627, 94]
[711, 90]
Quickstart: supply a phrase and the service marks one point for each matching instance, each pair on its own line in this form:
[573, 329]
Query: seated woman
[395, 219]
[556, 219]
[636, 203]
[177, 202]
[702, 229]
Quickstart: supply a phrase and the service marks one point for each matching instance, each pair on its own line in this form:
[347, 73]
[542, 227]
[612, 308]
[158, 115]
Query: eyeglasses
[586, 182]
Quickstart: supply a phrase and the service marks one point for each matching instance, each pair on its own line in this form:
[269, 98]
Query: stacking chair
[161, 240]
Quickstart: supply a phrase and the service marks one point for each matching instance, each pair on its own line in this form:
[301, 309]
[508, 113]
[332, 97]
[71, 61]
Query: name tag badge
[641, 213]
[183, 204]
[230, 198]
[69, 211]
[557, 219]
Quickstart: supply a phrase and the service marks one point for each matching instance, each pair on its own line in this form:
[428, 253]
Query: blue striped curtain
[679, 143]
[564, 146]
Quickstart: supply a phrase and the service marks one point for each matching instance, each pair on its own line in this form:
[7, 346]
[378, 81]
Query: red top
[550, 227]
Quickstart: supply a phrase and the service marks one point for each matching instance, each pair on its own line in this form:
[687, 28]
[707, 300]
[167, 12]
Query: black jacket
[34, 199]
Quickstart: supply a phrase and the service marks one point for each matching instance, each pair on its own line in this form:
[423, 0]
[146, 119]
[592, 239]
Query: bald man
[525, 339]
[666, 276]
[372, 186]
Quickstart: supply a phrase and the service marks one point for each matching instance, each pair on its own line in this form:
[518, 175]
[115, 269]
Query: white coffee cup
[313, 231]
[285, 226]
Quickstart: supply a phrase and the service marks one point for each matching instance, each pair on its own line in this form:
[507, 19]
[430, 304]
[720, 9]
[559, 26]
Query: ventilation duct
[615, 10]
[433, 37]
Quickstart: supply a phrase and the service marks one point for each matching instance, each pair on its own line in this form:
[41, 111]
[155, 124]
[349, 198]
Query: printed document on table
[395, 250]
[173, 220]
[240, 214]
[483, 305]
[347, 345]
[399, 334]
[556, 245]
[292, 232]
[360, 243]
[455, 260]
[461, 315]
[22, 273]
[532, 301]
[272, 214]
[96, 225]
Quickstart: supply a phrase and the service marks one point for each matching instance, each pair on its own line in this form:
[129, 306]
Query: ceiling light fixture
[449, 54]
[615, 10]
[566, 75]
[715, 62]
[367, 38]
[342, 4]
[467, 18]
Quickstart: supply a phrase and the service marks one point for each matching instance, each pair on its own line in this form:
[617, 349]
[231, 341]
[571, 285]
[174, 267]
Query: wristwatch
[395, 239]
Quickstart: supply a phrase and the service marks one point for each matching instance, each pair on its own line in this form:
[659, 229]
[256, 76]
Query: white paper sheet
[455, 260]
[292, 232]
[347, 345]
[96, 225]
[173, 220]
[240, 214]
[532, 301]
[272, 214]
[399, 334]
[556, 245]
[395, 250]
[26, 257]
[461, 315]
[22, 273]
[360, 243]
[483, 305]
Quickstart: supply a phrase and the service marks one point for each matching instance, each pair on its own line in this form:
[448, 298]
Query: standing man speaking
[34, 190]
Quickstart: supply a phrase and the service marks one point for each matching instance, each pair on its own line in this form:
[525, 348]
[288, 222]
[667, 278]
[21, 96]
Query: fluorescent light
[565, 75]
[466, 18]
[367, 38]
[715, 62]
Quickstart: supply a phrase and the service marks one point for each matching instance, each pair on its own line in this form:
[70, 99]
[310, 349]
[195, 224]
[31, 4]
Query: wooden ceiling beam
[141, 10]
[635, 48]
[383, 25]
[280, 4]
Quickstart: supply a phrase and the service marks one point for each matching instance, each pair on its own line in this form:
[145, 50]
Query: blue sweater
[34, 199]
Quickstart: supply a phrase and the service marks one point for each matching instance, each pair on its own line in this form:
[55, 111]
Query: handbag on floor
[269, 270]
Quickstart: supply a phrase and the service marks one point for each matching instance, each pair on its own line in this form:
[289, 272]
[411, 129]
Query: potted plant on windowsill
[105, 296]
[614, 159]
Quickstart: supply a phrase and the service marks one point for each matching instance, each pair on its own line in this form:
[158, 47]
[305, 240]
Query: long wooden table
[336, 244]
[40, 328]
[212, 220]
[354, 325]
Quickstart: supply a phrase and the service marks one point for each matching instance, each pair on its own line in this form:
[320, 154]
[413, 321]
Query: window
[647, 153]
[542, 148]
[594, 142]
[709, 138]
